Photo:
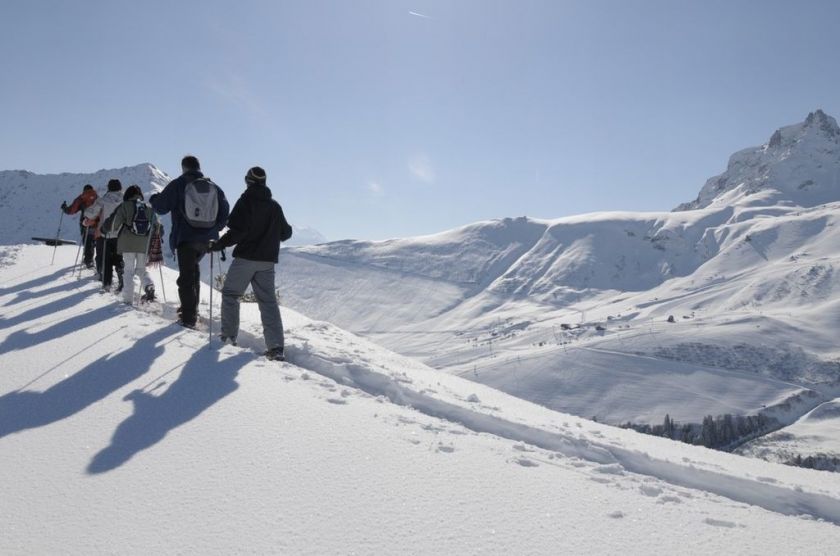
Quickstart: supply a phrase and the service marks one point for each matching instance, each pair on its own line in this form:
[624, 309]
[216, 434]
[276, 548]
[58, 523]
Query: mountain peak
[823, 122]
[800, 164]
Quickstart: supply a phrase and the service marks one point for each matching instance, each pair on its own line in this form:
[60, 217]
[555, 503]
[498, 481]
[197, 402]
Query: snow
[573, 313]
[30, 202]
[438, 389]
[120, 432]
[815, 433]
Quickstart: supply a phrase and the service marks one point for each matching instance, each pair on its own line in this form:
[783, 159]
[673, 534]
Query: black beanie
[114, 185]
[255, 176]
[87, 187]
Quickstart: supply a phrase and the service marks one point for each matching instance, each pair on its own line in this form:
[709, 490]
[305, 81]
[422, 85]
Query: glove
[213, 246]
[64, 206]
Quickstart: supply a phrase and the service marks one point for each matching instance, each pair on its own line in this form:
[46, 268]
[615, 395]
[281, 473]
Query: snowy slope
[305, 235]
[122, 433]
[30, 202]
[748, 276]
[816, 434]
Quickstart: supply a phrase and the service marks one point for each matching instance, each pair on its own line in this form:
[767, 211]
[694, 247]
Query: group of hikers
[121, 234]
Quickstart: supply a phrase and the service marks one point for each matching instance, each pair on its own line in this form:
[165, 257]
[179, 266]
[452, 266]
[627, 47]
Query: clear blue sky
[375, 122]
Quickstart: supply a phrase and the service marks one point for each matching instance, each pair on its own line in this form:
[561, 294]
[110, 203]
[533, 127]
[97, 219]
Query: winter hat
[87, 187]
[255, 176]
[114, 185]
[132, 192]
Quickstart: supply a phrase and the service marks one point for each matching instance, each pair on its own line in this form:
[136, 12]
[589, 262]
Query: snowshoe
[190, 325]
[275, 354]
[148, 294]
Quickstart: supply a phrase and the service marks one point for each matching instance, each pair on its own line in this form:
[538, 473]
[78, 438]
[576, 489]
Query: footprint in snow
[669, 499]
[337, 401]
[445, 449]
[616, 515]
[525, 462]
[611, 469]
[719, 523]
[650, 490]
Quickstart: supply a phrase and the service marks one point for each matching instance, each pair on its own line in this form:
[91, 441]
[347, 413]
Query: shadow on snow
[23, 410]
[22, 339]
[204, 380]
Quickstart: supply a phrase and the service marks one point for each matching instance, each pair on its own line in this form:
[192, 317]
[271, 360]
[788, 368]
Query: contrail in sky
[419, 15]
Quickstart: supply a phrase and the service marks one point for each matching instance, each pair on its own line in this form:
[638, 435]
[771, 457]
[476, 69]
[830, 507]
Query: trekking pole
[78, 251]
[104, 258]
[162, 287]
[210, 324]
[84, 245]
[148, 244]
[57, 235]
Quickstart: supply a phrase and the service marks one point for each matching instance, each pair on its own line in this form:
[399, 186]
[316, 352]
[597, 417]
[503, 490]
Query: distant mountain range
[33, 200]
[728, 304]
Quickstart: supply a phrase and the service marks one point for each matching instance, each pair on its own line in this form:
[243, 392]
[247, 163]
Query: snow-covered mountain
[121, 433]
[574, 313]
[30, 202]
[799, 165]
[304, 235]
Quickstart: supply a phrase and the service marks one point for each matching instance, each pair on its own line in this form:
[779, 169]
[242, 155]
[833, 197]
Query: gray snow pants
[260, 275]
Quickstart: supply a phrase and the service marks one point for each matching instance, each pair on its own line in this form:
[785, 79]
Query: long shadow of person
[29, 294]
[27, 410]
[41, 311]
[203, 381]
[22, 339]
[34, 283]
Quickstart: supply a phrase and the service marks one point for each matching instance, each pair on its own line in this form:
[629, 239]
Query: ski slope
[120, 432]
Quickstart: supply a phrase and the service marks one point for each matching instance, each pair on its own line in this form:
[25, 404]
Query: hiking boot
[228, 340]
[190, 325]
[275, 354]
[148, 293]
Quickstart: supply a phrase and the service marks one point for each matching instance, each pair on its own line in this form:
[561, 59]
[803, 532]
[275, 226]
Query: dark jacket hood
[258, 192]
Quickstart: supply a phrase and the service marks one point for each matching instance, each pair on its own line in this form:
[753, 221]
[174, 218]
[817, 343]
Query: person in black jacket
[256, 226]
[189, 241]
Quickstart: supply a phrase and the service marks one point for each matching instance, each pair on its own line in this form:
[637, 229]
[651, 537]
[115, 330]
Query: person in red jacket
[81, 204]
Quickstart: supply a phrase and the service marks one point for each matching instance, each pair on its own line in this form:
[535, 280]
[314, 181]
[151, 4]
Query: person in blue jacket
[191, 198]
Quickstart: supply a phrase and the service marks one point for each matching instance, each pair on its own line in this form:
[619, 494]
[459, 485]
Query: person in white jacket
[106, 240]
